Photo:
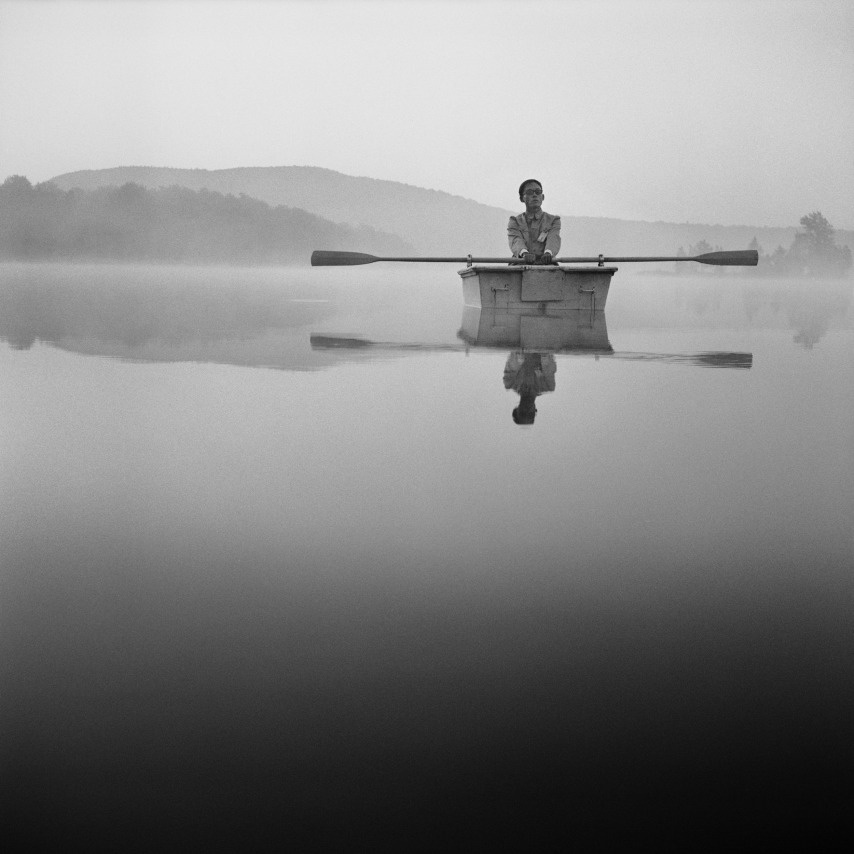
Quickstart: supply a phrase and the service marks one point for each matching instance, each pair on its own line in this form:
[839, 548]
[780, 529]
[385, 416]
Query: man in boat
[534, 235]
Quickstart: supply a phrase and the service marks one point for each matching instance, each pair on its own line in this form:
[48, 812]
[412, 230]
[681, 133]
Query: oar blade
[338, 342]
[322, 258]
[738, 258]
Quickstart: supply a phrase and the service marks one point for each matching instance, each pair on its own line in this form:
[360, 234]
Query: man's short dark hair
[529, 181]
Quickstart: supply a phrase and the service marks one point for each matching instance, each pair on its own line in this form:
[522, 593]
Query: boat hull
[561, 287]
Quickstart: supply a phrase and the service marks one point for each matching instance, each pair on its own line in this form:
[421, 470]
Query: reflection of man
[534, 236]
[530, 375]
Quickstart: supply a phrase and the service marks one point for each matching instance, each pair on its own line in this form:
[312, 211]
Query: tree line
[168, 225]
[814, 253]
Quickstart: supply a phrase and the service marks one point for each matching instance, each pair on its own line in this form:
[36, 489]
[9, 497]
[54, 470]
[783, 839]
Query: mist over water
[258, 590]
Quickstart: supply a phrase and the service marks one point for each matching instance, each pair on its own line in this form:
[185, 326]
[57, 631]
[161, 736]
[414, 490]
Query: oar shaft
[740, 258]
[736, 258]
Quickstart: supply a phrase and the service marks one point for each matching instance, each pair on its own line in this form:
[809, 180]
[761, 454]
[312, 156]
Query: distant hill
[432, 221]
[168, 225]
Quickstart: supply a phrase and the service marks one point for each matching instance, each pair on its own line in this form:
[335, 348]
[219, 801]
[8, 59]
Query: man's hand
[528, 257]
[547, 259]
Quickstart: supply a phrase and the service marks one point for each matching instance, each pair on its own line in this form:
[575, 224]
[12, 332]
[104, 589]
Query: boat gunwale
[520, 268]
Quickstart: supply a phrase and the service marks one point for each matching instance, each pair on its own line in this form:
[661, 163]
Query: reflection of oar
[344, 342]
[703, 360]
[740, 258]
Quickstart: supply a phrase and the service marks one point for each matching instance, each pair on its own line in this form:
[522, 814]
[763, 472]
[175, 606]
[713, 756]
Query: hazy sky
[712, 111]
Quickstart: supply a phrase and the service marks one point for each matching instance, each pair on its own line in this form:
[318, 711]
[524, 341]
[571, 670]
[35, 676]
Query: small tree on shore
[814, 251]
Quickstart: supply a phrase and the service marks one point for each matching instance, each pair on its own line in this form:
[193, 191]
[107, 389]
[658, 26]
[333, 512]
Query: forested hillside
[171, 224]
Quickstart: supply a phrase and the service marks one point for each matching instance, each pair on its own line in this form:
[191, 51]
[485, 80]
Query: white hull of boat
[520, 287]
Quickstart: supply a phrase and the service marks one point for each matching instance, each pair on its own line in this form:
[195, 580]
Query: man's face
[532, 195]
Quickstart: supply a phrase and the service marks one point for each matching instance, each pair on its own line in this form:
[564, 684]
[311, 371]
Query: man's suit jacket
[548, 237]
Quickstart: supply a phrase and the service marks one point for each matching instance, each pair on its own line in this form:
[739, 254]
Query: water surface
[278, 564]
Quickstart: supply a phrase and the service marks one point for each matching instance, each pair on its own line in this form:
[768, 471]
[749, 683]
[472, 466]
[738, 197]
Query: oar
[738, 258]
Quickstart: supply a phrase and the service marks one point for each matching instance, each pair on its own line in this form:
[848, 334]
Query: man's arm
[515, 238]
[553, 239]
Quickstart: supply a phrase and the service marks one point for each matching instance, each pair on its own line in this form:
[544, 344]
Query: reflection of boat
[564, 287]
[547, 329]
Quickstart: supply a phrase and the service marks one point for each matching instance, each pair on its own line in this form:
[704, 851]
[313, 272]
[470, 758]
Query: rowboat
[499, 283]
[523, 287]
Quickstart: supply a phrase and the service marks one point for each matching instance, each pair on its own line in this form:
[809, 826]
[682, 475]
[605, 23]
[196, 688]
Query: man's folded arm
[553, 239]
[515, 238]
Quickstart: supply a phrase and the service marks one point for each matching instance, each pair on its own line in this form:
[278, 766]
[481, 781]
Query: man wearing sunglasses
[534, 235]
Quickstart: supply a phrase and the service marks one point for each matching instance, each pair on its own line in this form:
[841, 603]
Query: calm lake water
[279, 567]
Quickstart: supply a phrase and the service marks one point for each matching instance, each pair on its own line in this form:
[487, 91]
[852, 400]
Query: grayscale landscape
[422, 555]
